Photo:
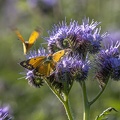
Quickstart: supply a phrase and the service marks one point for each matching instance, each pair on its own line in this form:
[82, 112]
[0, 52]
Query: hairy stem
[68, 108]
[64, 100]
[98, 95]
[86, 113]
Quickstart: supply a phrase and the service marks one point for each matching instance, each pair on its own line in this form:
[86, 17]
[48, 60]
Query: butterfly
[28, 44]
[43, 65]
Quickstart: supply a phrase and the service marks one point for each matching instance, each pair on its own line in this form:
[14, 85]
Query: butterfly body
[43, 65]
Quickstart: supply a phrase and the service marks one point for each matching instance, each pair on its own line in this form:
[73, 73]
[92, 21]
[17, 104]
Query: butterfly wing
[33, 63]
[57, 56]
[34, 35]
[25, 45]
[43, 70]
[28, 44]
[40, 66]
[19, 35]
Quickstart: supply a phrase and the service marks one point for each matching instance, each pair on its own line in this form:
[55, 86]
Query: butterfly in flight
[28, 44]
[43, 65]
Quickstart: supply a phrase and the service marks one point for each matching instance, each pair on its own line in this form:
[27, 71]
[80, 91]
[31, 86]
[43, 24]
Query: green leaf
[105, 113]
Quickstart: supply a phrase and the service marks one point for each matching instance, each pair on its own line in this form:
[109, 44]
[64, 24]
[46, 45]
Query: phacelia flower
[108, 63]
[69, 69]
[80, 38]
[5, 113]
[35, 53]
[34, 80]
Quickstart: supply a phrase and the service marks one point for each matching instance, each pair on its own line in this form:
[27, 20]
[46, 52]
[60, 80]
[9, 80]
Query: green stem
[86, 102]
[64, 100]
[68, 109]
[54, 91]
[99, 94]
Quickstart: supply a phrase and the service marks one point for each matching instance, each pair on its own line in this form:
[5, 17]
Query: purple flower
[34, 80]
[5, 113]
[71, 68]
[68, 70]
[80, 38]
[115, 63]
[36, 53]
[108, 63]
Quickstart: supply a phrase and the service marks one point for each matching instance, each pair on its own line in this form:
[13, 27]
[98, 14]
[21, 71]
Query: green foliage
[105, 113]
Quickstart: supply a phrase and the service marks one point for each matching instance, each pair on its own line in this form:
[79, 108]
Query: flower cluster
[81, 40]
[35, 53]
[34, 80]
[108, 63]
[71, 68]
[68, 70]
[5, 113]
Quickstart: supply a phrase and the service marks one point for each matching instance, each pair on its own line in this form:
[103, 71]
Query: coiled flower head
[80, 38]
[108, 63]
[34, 80]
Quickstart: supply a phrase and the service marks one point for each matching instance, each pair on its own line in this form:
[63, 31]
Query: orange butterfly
[43, 65]
[28, 44]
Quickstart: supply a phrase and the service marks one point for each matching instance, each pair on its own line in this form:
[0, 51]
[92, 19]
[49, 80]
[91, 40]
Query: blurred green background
[29, 103]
